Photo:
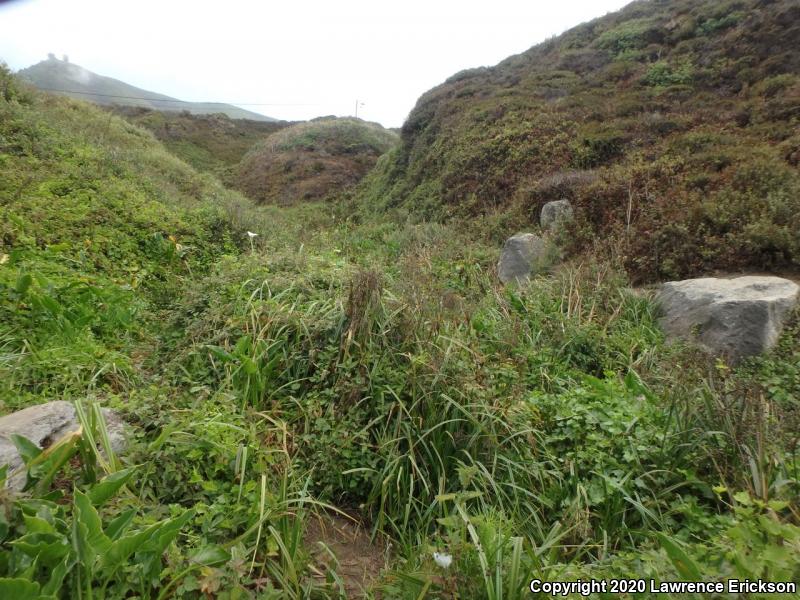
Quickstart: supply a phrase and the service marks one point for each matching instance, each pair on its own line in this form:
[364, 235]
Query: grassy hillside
[210, 143]
[359, 363]
[96, 217]
[672, 126]
[310, 161]
[62, 77]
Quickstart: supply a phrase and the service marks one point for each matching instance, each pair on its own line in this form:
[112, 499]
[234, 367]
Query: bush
[597, 149]
[662, 74]
[630, 35]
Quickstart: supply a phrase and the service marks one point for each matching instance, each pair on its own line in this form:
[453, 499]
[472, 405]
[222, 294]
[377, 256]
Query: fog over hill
[63, 77]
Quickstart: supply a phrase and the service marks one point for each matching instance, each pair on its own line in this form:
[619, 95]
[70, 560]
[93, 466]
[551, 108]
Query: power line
[167, 100]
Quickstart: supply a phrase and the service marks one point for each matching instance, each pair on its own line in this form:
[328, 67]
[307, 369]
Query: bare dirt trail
[360, 559]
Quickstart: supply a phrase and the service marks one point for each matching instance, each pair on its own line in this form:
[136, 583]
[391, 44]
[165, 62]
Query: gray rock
[555, 214]
[732, 318]
[45, 424]
[523, 255]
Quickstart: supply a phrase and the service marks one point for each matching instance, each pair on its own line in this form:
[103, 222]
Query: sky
[295, 59]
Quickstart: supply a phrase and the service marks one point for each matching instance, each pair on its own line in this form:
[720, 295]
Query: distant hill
[63, 77]
[213, 143]
[673, 127]
[311, 161]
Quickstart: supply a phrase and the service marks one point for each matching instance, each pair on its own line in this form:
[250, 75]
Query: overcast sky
[303, 58]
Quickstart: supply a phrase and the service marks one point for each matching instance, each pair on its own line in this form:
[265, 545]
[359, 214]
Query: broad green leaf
[221, 353]
[53, 496]
[151, 543]
[104, 489]
[35, 524]
[777, 505]
[90, 526]
[451, 522]
[168, 532]
[684, 564]
[210, 556]
[26, 570]
[47, 465]
[47, 548]
[121, 549]
[19, 589]
[249, 365]
[38, 507]
[243, 345]
[26, 448]
[57, 575]
[120, 524]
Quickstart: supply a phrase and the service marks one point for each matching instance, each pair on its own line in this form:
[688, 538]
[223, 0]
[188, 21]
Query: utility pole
[357, 105]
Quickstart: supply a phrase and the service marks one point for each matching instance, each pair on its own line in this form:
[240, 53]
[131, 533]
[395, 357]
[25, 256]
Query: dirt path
[359, 559]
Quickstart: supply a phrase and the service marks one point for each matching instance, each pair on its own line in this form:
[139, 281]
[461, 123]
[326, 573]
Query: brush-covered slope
[98, 223]
[213, 143]
[310, 161]
[376, 367]
[62, 77]
[672, 126]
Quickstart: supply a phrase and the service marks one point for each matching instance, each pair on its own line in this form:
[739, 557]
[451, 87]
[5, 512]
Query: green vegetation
[210, 143]
[366, 364]
[311, 161]
[622, 101]
[630, 35]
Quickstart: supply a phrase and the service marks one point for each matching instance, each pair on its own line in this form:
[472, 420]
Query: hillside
[322, 400]
[310, 161]
[62, 77]
[99, 222]
[212, 143]
[671, 126]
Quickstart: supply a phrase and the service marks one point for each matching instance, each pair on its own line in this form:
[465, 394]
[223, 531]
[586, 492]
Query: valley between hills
[548, 330]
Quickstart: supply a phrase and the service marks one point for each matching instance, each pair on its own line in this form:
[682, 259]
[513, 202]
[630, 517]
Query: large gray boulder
[45, 424]
[555, 214]
[732, 318]
[523, 255]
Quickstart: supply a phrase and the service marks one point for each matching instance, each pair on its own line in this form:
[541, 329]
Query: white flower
[443, 560]
[252, 235]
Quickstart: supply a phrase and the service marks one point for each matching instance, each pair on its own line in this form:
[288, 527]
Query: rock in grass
[555, 214]
[523, 255]
[731, 318]
[44, 424]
